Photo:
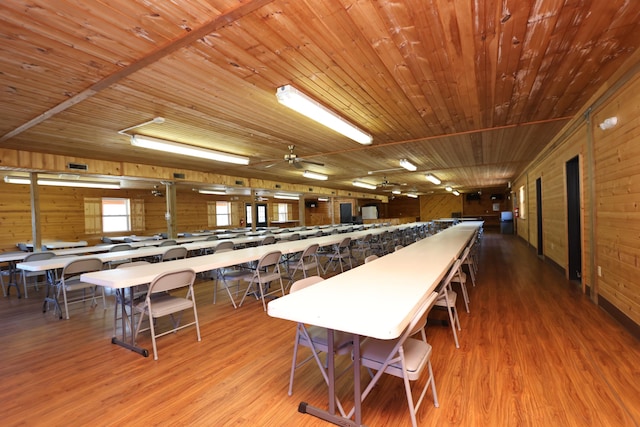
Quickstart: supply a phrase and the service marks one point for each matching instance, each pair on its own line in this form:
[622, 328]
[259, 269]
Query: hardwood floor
[534, 352]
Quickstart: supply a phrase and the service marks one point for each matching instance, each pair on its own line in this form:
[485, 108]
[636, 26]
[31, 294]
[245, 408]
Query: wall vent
[278, 186]
[77, 166]
[239, 182]
[178, 175]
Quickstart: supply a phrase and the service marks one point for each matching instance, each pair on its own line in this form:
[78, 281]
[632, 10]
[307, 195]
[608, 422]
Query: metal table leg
[126, 320]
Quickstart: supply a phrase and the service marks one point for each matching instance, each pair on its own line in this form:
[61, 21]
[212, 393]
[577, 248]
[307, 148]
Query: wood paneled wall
[439, 206]
[610, 171]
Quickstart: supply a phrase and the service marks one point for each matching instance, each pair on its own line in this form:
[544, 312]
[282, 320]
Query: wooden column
[170, 215]
[36, 234]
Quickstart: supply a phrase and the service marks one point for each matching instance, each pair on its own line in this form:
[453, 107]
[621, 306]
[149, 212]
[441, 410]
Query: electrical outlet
[599, 271]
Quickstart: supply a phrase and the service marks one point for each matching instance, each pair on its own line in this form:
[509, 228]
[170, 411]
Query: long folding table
[377, 300]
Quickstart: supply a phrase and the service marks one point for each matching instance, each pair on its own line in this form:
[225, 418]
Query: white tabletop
[380, 298]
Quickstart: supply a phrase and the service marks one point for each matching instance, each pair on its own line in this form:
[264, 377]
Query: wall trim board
[619, 316]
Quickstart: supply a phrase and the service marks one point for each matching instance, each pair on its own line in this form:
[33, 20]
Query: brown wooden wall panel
[617, 161]
[403, 207]
[439, 206]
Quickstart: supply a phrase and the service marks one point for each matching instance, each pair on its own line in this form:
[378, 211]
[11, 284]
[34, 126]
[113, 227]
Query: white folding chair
[267, 271]
[35, 256]
[159, 303]
[447, 299]
[404, 357]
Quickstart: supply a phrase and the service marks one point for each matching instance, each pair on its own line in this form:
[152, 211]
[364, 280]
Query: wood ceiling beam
[190, 37]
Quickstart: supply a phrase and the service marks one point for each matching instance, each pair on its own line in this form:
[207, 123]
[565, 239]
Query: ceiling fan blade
[312, 162]
[297, 165]
[271, 165]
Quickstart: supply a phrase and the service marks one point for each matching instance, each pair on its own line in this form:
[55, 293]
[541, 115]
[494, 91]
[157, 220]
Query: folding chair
[159, 303]
[267, 270]
[404, 357]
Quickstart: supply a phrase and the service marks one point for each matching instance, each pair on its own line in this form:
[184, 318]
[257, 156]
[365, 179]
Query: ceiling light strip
[364, 185]
[303, 104]
[186, 150]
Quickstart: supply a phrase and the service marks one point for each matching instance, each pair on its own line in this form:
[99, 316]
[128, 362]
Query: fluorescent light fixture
[314, 175]
[323, 199]
[396, 192]
[608, 123]
[433, 179]
[364, 185]
[214, 192]
[448, 188]
[286, 196]
[456, 192]
[408, 165]
[412, 195]
[298, 101]
[109, 185]
[186, 150]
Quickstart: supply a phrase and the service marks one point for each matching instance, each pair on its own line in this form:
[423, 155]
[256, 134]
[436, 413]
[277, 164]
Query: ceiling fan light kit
[291, 97]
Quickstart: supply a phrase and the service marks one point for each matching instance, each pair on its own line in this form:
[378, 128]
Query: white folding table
[357, 303]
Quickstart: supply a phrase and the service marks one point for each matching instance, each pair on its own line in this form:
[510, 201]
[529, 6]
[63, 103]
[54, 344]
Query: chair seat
[416, 352]
[442, 302]
[75, 283]
[341, 340]
[164, 305]
[264, 277]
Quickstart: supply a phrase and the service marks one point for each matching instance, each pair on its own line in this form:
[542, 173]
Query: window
[283, 212]
[223, 214]
[116, 215]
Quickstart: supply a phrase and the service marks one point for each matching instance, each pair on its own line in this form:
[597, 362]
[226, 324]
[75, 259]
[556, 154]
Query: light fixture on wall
[364, 185]
[213, 192]
[315, 175]
[286, 196]
[408, 165]
[323, 199]
[77, 183]
[456, 192]
[608, 123]
[186, 150]
[412, 195]
[291, 97]
[396, 192]
[433, 179]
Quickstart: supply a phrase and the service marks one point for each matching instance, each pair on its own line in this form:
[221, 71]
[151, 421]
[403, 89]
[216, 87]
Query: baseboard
[619, 316]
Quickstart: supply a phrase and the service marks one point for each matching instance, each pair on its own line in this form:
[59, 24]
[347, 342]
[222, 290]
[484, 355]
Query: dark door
[539, 213]
[573, 220]
[345, 213]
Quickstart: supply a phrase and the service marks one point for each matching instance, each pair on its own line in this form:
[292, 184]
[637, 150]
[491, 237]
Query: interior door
[539, 214]
[574, 238]
[345, 213]
[261, 209]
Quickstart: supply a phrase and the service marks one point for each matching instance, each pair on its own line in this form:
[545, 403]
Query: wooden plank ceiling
[468, 91]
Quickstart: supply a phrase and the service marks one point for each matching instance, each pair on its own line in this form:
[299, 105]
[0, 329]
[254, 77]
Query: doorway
[539, 215]
[574, 238]
[345, 213]
[262, 215]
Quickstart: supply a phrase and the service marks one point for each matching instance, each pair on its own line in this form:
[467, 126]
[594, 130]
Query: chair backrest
[303, 283]
[210, 238]
[452, 272]
[118, 248]
[398, 247]
[268, 240]
[168, 243]
[23, 247]
[344, 243]
[172, 280]
[128, 240]
[465, 254]
[84, 265]
[318, 233]
[420, 320]
[269, 259]
[225, 244]
[370, 258]
[293, 237]
[105, 239]
[133, 264]
[174, 253]
[37, 256]
[310, 250]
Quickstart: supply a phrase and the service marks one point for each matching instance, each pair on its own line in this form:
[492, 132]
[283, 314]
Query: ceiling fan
[292, 159]
[385, 183]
